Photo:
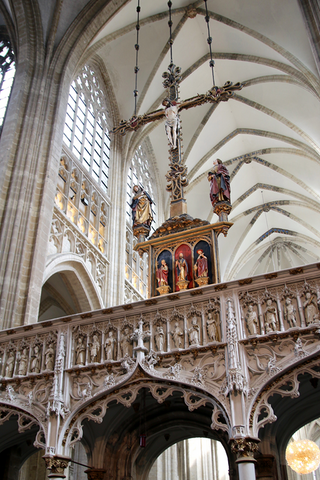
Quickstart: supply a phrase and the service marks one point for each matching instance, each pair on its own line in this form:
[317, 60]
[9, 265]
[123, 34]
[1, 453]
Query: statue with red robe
[219, 180]
[162, 274]
[201, 265]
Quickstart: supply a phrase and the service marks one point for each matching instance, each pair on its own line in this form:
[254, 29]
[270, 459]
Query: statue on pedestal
[182, 272]
[141, 213]
[162, 278]
[219, 180]
[201, 269]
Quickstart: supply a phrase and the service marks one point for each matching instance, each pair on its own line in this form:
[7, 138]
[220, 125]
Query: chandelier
[303, 456]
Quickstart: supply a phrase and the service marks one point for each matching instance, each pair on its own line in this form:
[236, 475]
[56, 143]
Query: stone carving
[110, 346]
[125, 342]
[270, 317]
[212, 327]
[35, 365]
[23, 362]
[95, 348]
[177, 335]
[80, 351]
[289, 313]
[159, 338]
[49, 356]
[311, 311]
[251, 320]
[10, 362]
[194, 332]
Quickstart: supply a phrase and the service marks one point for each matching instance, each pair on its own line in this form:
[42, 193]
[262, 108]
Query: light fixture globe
[303, 456]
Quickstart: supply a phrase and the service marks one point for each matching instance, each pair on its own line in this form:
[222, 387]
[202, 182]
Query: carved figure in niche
[110, 341]
[172, 121]
[23, 363]
[182, 268]
[95, 349]
[201, 265]
[10, 364]
[194, 332]
[310, 309]
[219, 180]
[141, 207]
[35, 365]
[162, 274]
[212, 327]
[49, 357]
[177, 335]
[159, 338]
[290, 313]
[271, 317]
[80, 352]
[251, 320]
[125, 342]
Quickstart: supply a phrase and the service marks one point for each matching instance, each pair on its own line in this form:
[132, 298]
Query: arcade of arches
[98, 378]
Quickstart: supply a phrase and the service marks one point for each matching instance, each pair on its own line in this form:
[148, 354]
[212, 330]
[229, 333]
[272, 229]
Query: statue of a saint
[194, 332]
[219, 180]
[177, 335]
[172, 124]
[201, 265]
[110, 341]
[162, 274]
[141, 207]
[290, 313]
[125, 342]
[80, 352]
[271, 317]
[49, 357]
[23, 362]
[10, 364]
[35, 365]
[159, 338]
[212, 327]
[310, 309]
[252, 320]
[182, 268]
[95, 349]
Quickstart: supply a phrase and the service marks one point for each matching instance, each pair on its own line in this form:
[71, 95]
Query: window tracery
[86, 126]
[7, 73]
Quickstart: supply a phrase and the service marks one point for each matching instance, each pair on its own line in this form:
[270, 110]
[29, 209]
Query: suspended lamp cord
[209, 41]
[136, 68]
[170, 29]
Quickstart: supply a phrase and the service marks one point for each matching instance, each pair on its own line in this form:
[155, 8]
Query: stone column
[56, 465]
[95, 473]
[244, 448]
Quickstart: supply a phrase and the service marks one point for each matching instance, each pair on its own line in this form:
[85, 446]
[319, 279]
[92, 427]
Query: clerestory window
[7, 73]
[86, 128]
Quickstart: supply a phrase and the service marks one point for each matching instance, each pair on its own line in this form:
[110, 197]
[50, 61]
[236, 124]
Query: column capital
[57, 464]
[244, 448]
[95, 473]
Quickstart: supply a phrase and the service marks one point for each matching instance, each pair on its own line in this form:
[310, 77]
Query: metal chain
[170, 29]
[136, 68]
[209, 41]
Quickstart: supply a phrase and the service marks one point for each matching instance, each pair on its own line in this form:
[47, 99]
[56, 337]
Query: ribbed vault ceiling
[268, 134]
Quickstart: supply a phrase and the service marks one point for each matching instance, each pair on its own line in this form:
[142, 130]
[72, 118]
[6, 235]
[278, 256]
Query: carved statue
[10, 364]
[162, 274]
[95, 349]
[271, 317]
[49, 357]
[35, 365]
[182, 268]
[159, 338]
[201, 265]
[290, 313]
[251, 320]
[23, 362]
[219, 180]
[141, 207]
[80, 352]
[194, 332]
[310, 309]
[172, 123]
[177, 335]
[110, 341]
[125, 342]
[212, 327]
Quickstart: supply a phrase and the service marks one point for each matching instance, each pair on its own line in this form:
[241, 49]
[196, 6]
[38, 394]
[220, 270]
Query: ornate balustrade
[223, 341]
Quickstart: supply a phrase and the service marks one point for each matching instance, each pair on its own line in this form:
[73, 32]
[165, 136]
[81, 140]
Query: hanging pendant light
[303, 456]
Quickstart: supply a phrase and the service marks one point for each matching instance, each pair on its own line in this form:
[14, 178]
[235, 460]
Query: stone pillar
[95, 473]
[57, 466]
[244, 448]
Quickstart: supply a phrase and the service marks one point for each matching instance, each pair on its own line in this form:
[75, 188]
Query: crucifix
[177, 174]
